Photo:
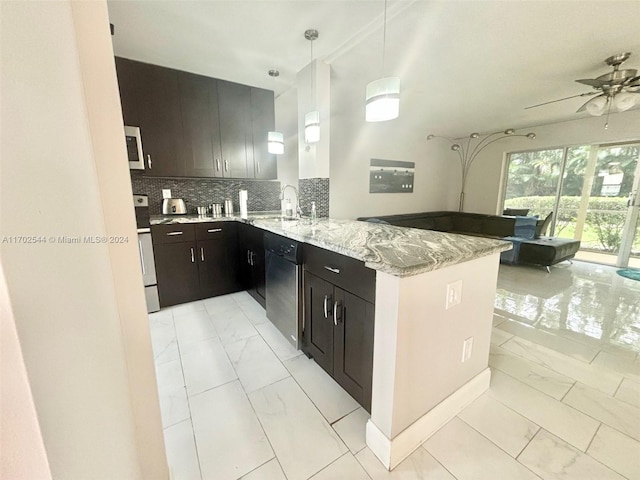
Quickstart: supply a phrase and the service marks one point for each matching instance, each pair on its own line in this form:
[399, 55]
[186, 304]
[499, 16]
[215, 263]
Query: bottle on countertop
[313, 212]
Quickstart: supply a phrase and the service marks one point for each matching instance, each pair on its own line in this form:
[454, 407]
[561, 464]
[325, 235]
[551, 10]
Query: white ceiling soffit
[464, 66]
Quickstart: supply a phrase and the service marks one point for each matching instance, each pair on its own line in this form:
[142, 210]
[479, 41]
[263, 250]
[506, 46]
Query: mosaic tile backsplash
[263, 195]
[314, 190]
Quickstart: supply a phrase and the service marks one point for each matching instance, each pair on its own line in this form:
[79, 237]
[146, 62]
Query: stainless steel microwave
[134, 148]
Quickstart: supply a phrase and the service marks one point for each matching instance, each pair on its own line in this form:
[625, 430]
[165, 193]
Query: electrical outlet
[467, 347]
[454, 294]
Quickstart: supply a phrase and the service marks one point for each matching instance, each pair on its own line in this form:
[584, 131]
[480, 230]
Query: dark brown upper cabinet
[150, 100]
[196, 126]
[262, 122]
[200, 127]
[234, 107]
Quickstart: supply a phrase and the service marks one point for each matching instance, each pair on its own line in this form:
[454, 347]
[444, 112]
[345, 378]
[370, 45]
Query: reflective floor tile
[344, 468]
[174, 407]
[205, 365]
[302, 439]
[420, 465]
[280, 346]
[564, 421]
[230, 440]
[611, 411]
[232, 325]
[503, 426]
[255, 363]
[269, 471]
[352, 429]
[329, 397]
[629, 392]
[617, 451]
[600, 378]
[552, 458]
[181, 452]
[194, 327]
[534, 375]
[470, 456]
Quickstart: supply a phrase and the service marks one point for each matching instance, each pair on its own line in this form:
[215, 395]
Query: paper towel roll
[243, 197]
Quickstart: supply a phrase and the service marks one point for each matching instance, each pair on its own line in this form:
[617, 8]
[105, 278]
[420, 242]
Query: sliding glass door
[592, 192]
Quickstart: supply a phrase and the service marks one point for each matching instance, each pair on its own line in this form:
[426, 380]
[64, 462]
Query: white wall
[313, 158]
[286, 106]
[22, 455]
[484, 181]
[79, 308]
[354, 142]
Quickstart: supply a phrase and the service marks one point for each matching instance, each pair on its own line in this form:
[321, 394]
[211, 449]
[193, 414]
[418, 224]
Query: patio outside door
[605, 219]
[593, 192]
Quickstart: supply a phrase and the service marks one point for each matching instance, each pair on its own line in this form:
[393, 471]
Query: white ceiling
[466, 66]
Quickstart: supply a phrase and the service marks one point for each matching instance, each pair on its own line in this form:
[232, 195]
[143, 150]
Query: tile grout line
[193, 430]
[593, 438]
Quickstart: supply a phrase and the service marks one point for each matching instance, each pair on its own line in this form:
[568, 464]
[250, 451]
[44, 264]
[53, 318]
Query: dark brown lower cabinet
[195, 261]
[338, 334]
[251, 261]
[177, 272]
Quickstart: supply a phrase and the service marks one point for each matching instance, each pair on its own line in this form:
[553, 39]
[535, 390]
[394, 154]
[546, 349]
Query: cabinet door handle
[335, 313]
[170, 234]
[217, 164]
[331, 269]
[144, 272]
[327, 300]
[149, 161]
[193, 258]
[252, 256]
[226, 165]
[214, 230]
[258, 165]
[202, 254]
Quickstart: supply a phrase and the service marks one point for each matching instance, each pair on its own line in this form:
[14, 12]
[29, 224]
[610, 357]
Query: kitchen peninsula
[434, 297]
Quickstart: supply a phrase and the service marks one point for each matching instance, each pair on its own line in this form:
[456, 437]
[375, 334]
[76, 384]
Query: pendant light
[312, 119]
[275, 140]
[383, 95]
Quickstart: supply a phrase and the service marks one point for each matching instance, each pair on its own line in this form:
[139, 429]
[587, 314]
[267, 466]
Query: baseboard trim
[392, 452]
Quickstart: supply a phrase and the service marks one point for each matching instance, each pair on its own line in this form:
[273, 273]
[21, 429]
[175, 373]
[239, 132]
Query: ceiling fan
[619, 89]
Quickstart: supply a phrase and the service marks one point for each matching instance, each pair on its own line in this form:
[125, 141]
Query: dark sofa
[541, 250]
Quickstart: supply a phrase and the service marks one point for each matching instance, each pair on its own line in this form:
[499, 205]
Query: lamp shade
[625, 100]
[596, 106]
[312, 127]
[275, 143]
[383, 99]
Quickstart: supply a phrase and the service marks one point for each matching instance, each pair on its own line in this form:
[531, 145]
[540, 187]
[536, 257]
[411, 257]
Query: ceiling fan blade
[593, 82]
[584, 106]
[633, 82]
[562, 99]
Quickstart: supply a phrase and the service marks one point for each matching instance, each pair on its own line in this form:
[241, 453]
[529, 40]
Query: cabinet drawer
[345, 272]
[213, 230]
[172, 233]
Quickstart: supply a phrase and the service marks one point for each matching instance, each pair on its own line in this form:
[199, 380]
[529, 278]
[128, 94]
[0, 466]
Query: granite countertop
[399, 251]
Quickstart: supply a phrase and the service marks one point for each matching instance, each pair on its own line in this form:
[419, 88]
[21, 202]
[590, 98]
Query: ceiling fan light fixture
[383, 99]
[597, 106]
[624, 101]
[509, 131]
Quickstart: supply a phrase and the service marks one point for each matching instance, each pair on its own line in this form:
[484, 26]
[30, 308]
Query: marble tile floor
[238, 402]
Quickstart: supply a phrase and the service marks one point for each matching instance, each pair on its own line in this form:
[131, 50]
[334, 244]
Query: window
[588, 188]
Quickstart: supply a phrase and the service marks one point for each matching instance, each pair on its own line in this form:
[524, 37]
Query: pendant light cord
[384, 35]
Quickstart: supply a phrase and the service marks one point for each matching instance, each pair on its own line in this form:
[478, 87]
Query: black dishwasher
[283, 285]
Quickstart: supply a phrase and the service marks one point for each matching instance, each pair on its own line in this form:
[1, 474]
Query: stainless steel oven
[145, 247]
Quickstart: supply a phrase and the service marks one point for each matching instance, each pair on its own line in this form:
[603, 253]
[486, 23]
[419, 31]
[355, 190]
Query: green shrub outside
[605, 215]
